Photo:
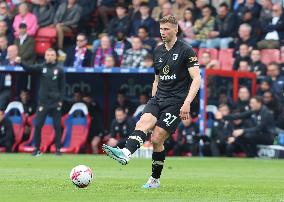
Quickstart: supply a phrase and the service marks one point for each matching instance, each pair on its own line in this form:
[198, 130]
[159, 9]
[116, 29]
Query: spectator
[44, 12]
[79, 55]
[199, 5]
[282, 62]
[6, 132]
[273, 72]
[245, 37]
[247, 18]
[5, 15]
[5, 79]
[256, 65]
[102, 51]
[119, 23]
[121, 127]
[242, 104]
[29, 109]
[158, 9]
[4, 31]
[265, 85]
[148, 42]
[180, 6]
[28, 18]
[134, 12]
[26, 45]
[105, 9]
[134, 56]
[224, 29]
[266, 11]
[167, 9]
[143, 99]
[202, 27]
[88, 8]
[29, 105]
[244, 54]
[271, 102]
[109, 62]
[243, 66]
[12, 53]
[250, 5]
[77, 97]
[3, 48]
[262, 130]
[221, 131]
[66, 19]
[273, 29]
[120, 45]
[148, 61]
[123, 102]
[207, 63]
[96, 132]
[186, 25]
[187, 138]
[144, 20]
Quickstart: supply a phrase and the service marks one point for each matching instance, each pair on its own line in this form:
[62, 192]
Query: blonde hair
[169, 19]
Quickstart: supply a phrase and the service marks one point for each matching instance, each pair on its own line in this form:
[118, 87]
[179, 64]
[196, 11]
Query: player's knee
[142, 125]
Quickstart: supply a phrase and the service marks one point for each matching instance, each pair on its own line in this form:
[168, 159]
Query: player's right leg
[134, 141]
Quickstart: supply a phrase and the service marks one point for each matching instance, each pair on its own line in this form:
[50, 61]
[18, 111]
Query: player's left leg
[158, 138]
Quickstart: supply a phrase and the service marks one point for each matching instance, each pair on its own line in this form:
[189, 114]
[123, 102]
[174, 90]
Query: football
[81, 176]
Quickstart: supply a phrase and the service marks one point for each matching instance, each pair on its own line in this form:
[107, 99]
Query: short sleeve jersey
[172, 68]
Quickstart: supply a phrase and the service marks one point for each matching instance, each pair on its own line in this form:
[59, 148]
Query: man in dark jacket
[224, 29]
[6, 132]
[79, 56]
[44, 12]
[51, 92]
[121, 22]
[121, 127]
[262, 130]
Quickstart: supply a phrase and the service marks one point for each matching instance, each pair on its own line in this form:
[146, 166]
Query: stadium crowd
[124, 33]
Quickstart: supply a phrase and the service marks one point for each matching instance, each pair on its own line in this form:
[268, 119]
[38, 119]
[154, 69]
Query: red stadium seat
[44, 39]
[47, 136]
[76, 129]
[226, 58]
[270, 55]
[15, 112]
[213, 52]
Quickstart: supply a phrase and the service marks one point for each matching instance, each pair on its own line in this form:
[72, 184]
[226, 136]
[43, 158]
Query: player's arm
[194, 72]
[29, 68]
[155, 85]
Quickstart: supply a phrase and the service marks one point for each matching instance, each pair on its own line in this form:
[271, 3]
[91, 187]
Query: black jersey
[172, 68]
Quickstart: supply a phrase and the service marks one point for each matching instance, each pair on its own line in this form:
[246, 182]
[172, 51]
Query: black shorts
[166, 113]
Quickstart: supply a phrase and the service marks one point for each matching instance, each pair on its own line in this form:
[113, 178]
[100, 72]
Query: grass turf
[25, 178]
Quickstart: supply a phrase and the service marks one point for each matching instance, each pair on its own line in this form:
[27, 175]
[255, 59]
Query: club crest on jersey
[166, 69]
[175, 56]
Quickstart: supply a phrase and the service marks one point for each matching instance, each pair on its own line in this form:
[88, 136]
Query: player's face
[168, 32]
[50, 56]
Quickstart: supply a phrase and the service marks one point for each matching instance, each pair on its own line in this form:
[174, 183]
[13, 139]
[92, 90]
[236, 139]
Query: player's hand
[238, 132]
[231, 140]
[18, 60]
[184, 111]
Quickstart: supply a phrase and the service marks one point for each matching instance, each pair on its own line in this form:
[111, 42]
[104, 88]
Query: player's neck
[170, 44]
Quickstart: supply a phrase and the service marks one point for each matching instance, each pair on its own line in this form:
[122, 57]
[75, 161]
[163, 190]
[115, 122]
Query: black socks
[135, 140]
[158, 159]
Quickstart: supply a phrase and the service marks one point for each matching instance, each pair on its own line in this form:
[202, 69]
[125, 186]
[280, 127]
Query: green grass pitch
[25, 178]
